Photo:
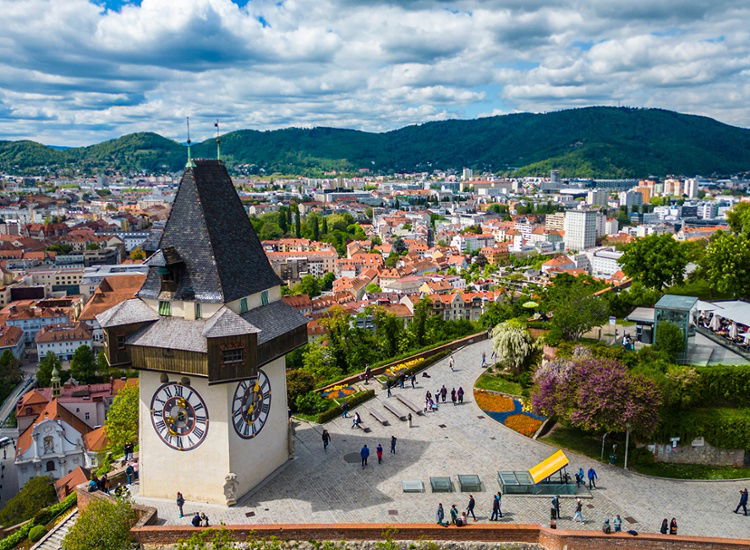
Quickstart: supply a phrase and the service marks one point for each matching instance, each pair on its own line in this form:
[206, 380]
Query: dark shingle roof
[212, 234]
[274, 319]
[126, 313]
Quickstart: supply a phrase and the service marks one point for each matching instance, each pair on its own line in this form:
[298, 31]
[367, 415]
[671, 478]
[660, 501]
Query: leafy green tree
[92, 246]
[496, 313]
[122, 419]
[574, 309]
[670, 339]
[324, 227]
[418, 326]
[739, 218]
[392, 260]
[270, 232]
[321, 363]
[83, 365]
[513, 345]
[308, 285]
[297, 224]
[326, 281]
[104, 524]
[399, 246]
[46, 366]
[298, 382]
[388, 331]
[657, 261]
[283, 223]
[372, 288]
[35, 495]
[726, 264]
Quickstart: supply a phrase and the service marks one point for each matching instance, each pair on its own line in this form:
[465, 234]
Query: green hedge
[725, 385]
[37, 532]
[42, 517]
[352, 400]
[721, 427]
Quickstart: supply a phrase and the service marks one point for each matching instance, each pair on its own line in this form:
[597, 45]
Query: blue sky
[76, 72]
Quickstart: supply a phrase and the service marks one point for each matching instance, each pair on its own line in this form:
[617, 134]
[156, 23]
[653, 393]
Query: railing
[723, 342]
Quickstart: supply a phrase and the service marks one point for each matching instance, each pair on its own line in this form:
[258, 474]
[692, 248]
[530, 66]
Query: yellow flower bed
[523, 424]
[489, 402]
[399, 369]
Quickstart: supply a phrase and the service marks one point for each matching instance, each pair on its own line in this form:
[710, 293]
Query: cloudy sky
[75, 72]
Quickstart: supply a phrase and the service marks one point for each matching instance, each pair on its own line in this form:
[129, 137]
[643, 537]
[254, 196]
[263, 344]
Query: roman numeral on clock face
[251, 406]
[175, 417]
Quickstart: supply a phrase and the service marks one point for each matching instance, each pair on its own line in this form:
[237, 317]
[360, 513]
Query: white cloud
[74, 72]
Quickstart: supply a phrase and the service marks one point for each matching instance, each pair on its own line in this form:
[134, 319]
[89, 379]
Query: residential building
[110, 292]
[597, 197]
[31, 318]
[605, 262]
[555, 222]
[63, 340]
[94, 275]
[580, 229]
[12, 339]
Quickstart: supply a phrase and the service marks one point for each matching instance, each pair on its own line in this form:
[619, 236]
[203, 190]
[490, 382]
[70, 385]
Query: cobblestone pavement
[318, 487]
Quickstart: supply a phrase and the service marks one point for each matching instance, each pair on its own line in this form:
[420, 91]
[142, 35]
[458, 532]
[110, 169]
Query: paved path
[318, 487]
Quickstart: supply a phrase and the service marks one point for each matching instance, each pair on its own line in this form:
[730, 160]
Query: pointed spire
[218, 141]
[189, 163]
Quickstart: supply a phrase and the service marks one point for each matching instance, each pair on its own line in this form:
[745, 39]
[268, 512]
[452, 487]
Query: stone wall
[698, 454]
[528, 536]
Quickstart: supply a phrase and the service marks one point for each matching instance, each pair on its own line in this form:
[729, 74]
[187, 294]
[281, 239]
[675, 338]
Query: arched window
[50, 465]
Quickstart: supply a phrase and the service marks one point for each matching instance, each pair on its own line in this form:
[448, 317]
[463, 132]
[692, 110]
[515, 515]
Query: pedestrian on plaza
[204, 517]
[363, 454]
[357, 420]
[581, 476]
[464, 519]
[450, 363]
[196, 521]
[129, 472]
[444, 393]
[388, 388]
[484, 360]
[393, 444]
[345, 410]
[428, 395]
[454, 515]
[664, 527]
[460, 394]
[617, 523]
[592, 478]
[326, 437]
[556, 507]
[104, 484]
[180, 502]
[606, 527]
[379, 452]
[453, 396]
[413, 381]
[367, 375]
[401, 381]
[673, 527]
[500, 504]
[470, 507]
[409, 417]
[578, 480]
[743, 502]
[495, 508]
[578, 516]
[440, 514]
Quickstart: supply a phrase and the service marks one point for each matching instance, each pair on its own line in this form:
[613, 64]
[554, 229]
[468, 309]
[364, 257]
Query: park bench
[377, 416]
[390, 408]
[408, 404]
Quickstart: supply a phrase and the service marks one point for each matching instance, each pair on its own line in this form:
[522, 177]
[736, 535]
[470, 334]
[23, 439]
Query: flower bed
[339, 392]
[403, 368]
[509, 411]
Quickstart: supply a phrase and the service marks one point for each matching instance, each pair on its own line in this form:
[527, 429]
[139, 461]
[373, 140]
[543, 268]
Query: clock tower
[208, 332]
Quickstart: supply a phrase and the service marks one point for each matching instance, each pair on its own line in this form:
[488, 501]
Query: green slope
[592, 141]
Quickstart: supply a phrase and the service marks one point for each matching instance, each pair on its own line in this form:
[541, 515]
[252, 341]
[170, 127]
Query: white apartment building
[611, 227]
[63, 340]
[631, 198]
[555, 222]
[580, 229]
[708, 210]
[604, 262]
[598, 197]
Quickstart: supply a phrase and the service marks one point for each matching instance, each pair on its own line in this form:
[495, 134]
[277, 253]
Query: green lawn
[496, 382]
[591, 446]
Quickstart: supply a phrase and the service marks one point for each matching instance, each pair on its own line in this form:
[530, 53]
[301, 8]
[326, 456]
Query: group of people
[668, 527]
[581, 478]
[461, 519]
[430, 404]
[401, 381]
[99, 484]
[199, 519]
[736, 333]
[364, 452]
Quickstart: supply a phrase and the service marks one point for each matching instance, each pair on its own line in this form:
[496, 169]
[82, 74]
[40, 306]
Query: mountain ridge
[583, 142]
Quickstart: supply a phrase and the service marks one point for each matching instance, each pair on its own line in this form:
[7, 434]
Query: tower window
[165, 308]
[264, 298]
[50, 465]
[243, 305]
[233, 355]
[198, 312]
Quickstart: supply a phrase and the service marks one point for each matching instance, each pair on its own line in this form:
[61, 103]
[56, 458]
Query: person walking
[664, 527]
[460, 394]
[444, 393]
[393, 444]
[580, 475]
[409, 417]
[673, 527]
[592, 478]
[450, 363]
[578, 516]
[326, 439]
[556, 506]
[743, 502]
[388, 388]
[617, 523]
[379, 452]
[413, 381]
[495, 508]
[129, 472]
[454, 515]
[440, 515]
[180, 502]
[470, 507]
[364, 453]
[345, 410]
[453, 396]
[356, 421]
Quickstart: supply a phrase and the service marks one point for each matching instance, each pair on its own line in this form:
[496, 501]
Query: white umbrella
[733, 331]
[746, 340]
[715, 323]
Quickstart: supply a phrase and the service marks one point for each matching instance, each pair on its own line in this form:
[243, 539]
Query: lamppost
[604, 438]
[627, 441]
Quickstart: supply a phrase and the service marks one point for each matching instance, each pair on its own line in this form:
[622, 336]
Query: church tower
[208, 332]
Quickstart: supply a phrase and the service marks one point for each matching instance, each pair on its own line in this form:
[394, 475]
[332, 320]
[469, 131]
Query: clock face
[179, 416]
[251, 405]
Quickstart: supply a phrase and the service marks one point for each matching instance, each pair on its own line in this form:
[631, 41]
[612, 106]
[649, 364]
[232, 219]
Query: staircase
[53, 539]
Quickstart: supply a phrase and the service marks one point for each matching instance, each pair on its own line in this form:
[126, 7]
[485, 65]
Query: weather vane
[218, 140]
[190, 163]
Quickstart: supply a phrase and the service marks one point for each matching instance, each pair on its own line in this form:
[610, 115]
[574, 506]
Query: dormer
[169, 266]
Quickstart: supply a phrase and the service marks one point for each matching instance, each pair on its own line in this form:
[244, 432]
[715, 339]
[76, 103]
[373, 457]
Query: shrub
[721, 427]
[37, 532]
[669, 338]
[298, 382]
[35, 495]
[725, 385]
[312, 403]
[352, 400]
[104, 524]
[11, 541]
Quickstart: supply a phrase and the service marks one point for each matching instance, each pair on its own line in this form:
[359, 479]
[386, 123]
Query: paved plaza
[319, 487]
